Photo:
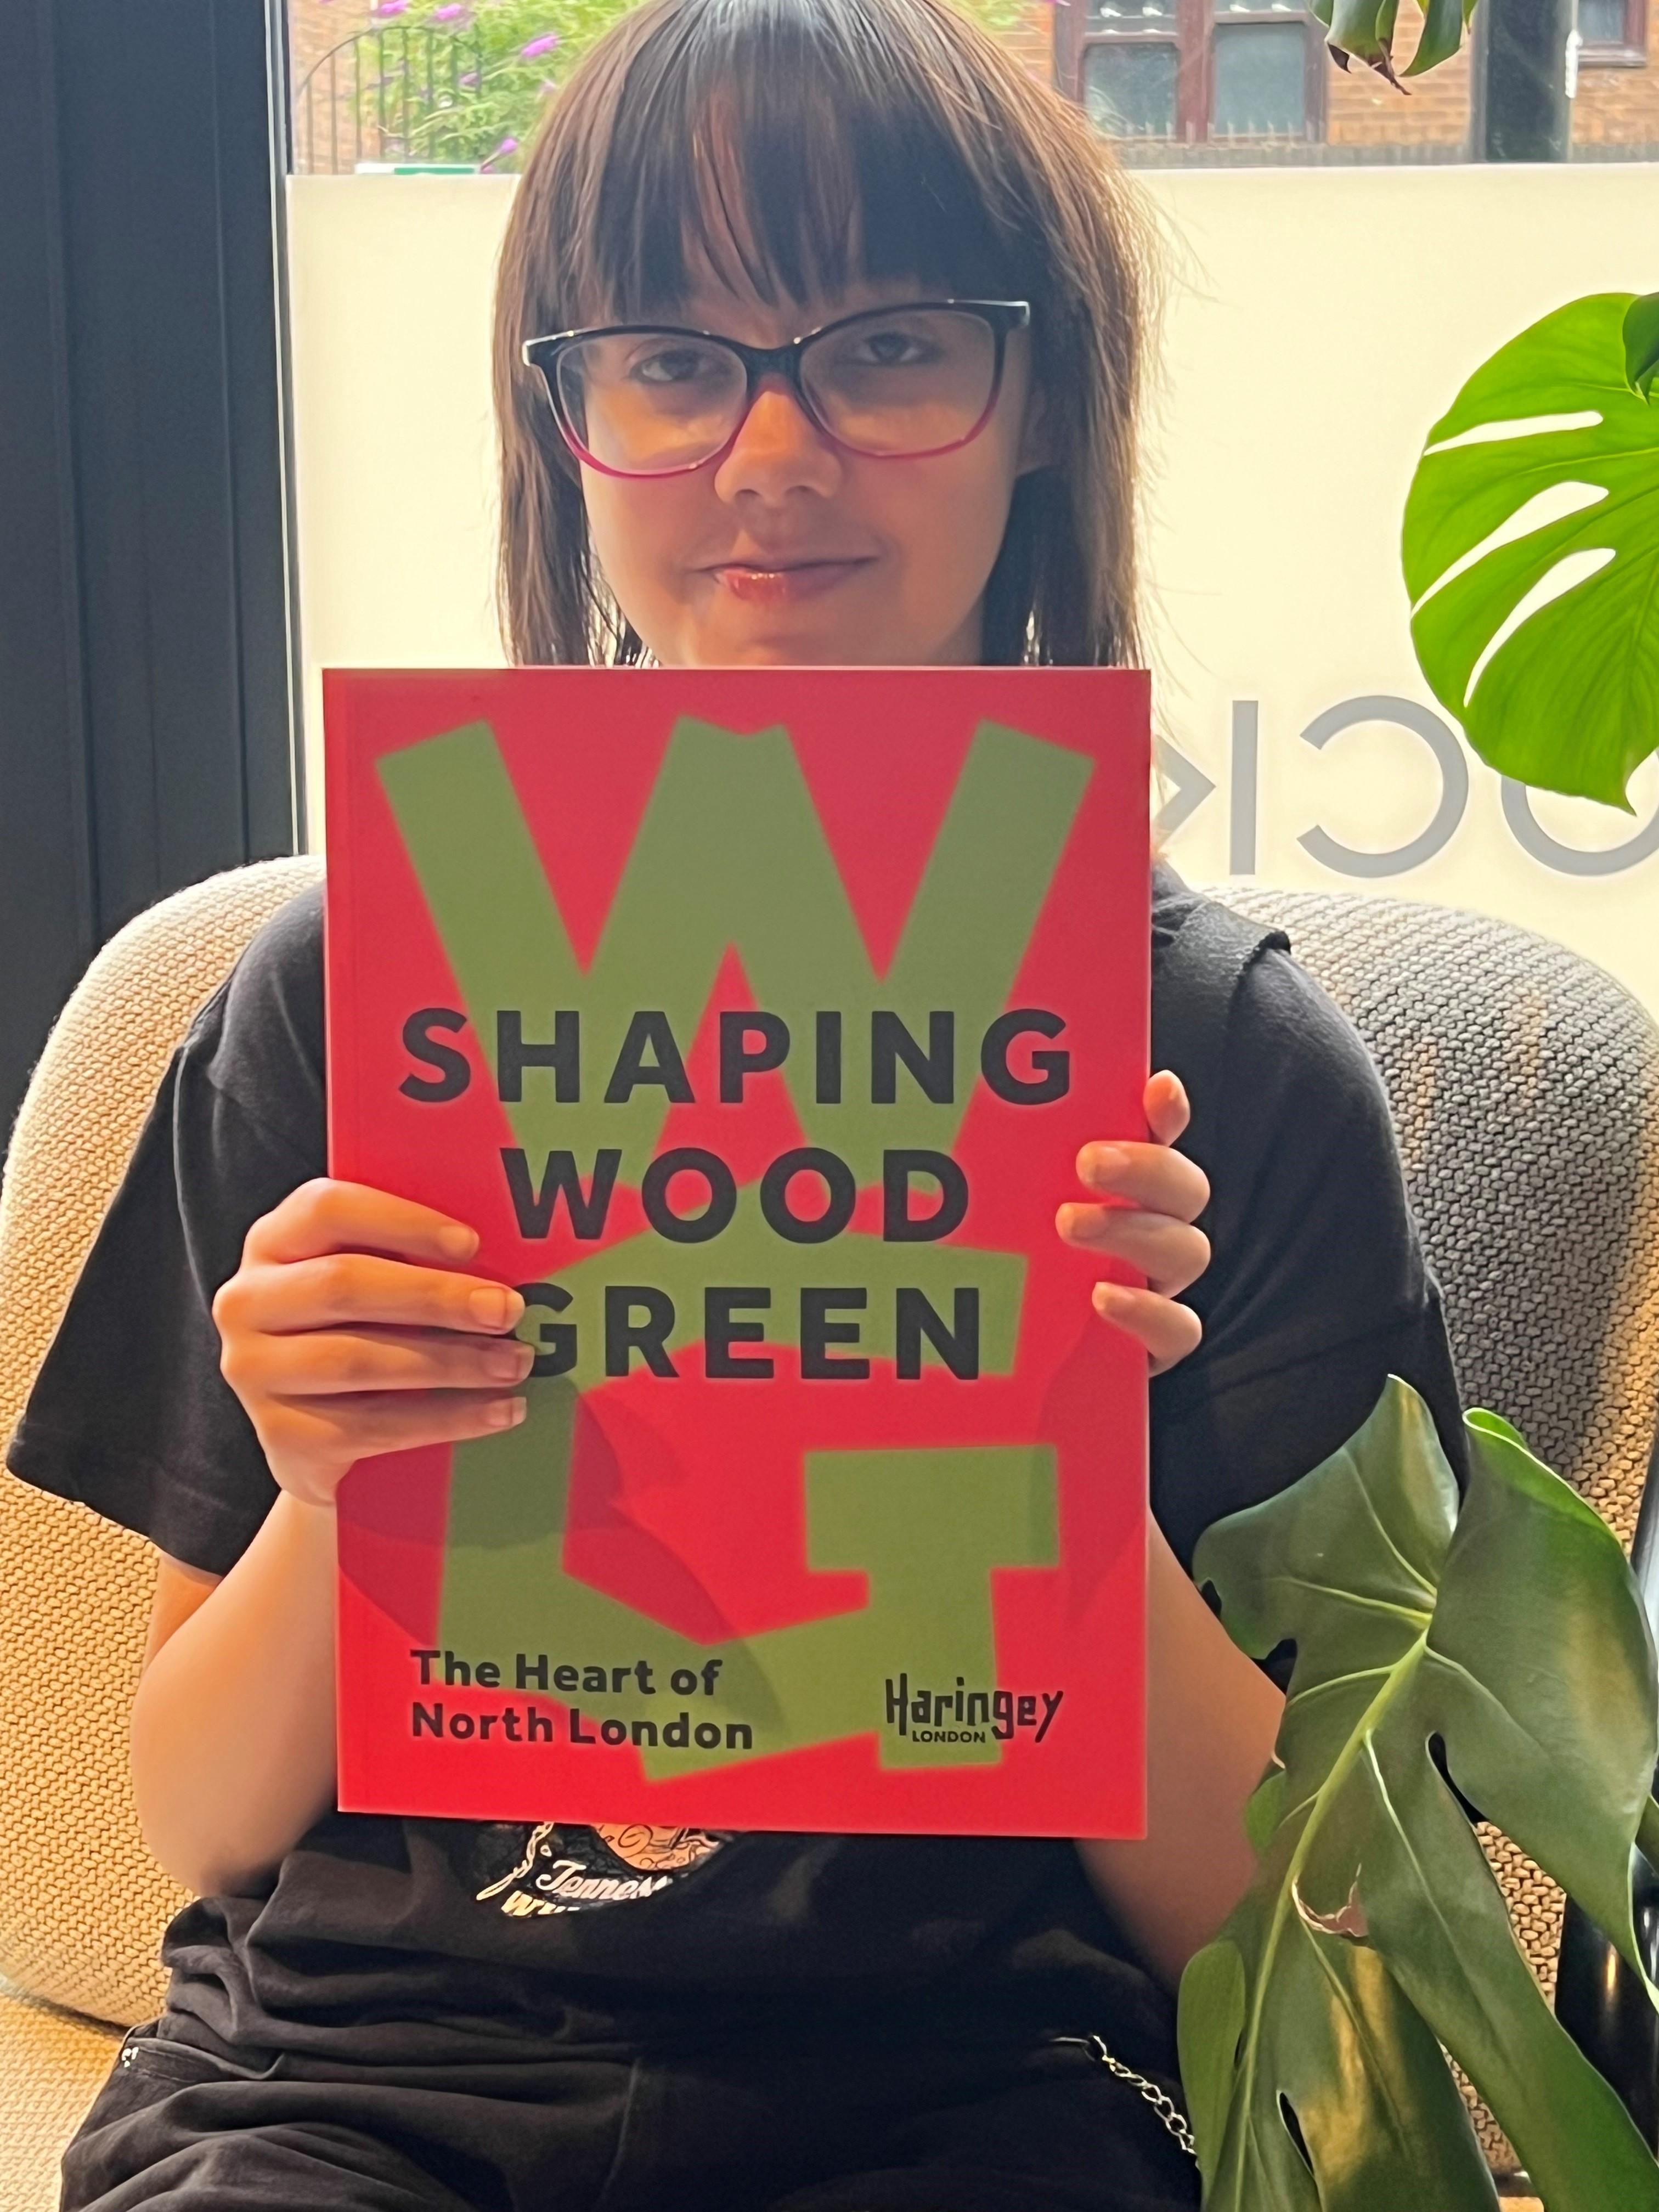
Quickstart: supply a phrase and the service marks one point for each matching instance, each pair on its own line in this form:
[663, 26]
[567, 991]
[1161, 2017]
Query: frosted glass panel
[1261, 80]
[1129, 88]
[1602, 22]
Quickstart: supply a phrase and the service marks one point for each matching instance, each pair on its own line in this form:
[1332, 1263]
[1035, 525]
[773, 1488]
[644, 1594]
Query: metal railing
[392, 93]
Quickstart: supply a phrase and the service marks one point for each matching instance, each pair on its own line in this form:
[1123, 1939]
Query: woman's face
[790, 551]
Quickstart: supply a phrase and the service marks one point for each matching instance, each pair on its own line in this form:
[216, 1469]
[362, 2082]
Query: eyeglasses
[902, 383]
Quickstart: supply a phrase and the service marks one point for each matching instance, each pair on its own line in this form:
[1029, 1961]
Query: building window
[1613, 31]
[1190, 70]
[1130, 66]
[1258, 78]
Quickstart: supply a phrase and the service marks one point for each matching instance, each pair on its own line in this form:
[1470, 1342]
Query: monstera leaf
[1532, 551]
[1502, 1645]
[1365, 29]
[1642, 345]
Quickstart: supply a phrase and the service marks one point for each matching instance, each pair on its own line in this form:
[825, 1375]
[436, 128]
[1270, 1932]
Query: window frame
[1072, 27]
[1191, 33]
[1630, 52]
[1313, 74]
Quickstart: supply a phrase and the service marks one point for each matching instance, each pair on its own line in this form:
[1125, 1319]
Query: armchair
[1525, 1086]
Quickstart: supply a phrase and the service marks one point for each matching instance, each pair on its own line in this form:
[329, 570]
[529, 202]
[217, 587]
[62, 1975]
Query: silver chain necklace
[1160, 2100]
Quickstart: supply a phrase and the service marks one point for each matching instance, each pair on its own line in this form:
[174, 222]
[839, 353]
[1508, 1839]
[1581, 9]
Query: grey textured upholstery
[1525, 1088]
[1524, 1083]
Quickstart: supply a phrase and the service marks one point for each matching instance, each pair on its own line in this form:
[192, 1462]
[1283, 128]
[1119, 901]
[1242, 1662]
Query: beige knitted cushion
[1524, 1083]
[52, 2065]
[82, 1904]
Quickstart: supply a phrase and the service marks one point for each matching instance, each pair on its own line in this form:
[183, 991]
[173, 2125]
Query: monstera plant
[1490, 1653]
[1531, 549]
[1364, 30]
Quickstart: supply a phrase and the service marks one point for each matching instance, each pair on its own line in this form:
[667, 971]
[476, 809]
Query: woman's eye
[887, 349]
[676, 365]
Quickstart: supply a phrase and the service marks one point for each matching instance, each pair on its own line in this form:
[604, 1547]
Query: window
[1192, 70]
[1613, 31]
[1273, 522]
[1131, 71]
[1259, 81]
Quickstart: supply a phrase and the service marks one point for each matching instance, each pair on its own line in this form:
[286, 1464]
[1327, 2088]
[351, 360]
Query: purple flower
[470, 78]
[448, 14]
[547, 85]
[388, 7]
[544, 44]
[507, 146]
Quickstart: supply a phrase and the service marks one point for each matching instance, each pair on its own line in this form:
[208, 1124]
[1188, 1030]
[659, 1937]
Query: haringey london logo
[959, 1715]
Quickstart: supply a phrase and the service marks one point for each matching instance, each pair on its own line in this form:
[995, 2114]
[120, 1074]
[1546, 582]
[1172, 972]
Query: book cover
[755, 1018]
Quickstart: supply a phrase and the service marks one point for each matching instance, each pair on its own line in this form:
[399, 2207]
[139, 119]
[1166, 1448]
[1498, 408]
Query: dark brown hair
[799, 144]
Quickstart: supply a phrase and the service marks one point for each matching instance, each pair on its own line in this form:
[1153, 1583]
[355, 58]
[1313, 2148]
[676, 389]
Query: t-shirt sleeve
[129, 1414]
[1317, 1289]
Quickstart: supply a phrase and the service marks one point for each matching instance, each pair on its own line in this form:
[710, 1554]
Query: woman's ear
[1036, 446]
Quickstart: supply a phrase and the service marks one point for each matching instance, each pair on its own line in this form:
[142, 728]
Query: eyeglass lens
[904, 383]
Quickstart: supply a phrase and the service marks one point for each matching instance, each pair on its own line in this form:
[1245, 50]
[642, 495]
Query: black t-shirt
[407, 1939]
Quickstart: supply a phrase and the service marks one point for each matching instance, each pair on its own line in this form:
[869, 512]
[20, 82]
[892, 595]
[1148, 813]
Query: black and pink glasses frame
[542, 355]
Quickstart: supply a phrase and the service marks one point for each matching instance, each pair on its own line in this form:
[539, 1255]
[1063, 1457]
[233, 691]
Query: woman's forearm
[1212, 1720]
[233, 1730]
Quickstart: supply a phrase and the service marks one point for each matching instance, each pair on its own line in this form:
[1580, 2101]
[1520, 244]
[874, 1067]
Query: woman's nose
[778, 447]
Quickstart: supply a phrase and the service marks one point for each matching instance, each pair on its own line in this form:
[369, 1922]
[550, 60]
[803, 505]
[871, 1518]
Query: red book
[755, 1018]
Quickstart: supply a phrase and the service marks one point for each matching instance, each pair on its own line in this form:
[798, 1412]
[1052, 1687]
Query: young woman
[875, 403]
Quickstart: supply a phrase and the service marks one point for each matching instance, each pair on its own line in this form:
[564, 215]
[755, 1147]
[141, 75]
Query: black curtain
[149, 651]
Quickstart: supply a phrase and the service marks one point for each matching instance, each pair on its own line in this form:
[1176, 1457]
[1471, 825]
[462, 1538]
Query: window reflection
[462, 84]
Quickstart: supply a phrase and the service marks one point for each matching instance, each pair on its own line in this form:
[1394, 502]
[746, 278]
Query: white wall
[1318, 321]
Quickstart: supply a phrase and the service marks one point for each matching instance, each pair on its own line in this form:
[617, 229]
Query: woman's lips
[779, 587]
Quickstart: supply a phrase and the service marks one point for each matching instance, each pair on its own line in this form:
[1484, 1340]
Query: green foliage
[1641, 344]
[1568, 699]
[469, 82]
[1507, 1641]
[1364, 30]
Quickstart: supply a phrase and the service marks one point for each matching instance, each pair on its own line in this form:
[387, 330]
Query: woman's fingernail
[1109, 1298]
[1100, 1163]
[507, 1413]
[458, 1242]
[495, 1305]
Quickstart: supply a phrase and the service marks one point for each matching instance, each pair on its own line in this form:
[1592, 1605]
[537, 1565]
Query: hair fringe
[694, 120]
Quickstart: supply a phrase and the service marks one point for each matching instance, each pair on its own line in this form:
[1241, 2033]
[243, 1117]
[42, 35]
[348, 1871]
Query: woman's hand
[345, 1333]
[1151, 1197]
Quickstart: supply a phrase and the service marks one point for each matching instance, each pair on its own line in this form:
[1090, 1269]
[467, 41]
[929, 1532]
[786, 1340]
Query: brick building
[1199, 80]
[323, 91]
[1618, 101]
[315, 25]
[1175, 80]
